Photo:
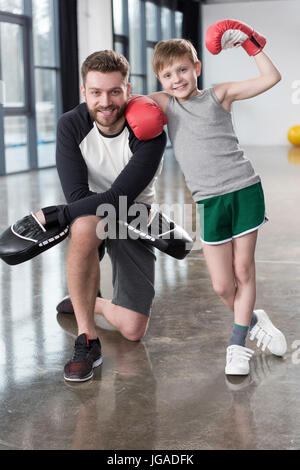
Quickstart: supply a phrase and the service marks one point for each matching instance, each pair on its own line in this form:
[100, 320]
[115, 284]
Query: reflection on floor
[168, 391]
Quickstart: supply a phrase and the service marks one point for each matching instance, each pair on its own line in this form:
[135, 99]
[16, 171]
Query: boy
[222, 181]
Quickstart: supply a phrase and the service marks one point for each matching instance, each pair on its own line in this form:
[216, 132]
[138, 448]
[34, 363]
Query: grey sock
[253, 321]
[239, 334]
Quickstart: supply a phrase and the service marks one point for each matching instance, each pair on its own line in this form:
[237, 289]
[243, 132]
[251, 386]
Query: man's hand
[40, 216]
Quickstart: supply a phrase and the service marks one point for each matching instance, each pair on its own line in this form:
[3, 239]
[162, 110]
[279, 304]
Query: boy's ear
[198, 67]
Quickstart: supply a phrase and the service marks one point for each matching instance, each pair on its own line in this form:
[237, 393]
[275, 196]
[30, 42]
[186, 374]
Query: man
[94, 144]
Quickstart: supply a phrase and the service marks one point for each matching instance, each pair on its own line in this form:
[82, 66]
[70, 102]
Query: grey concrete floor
[168, 391]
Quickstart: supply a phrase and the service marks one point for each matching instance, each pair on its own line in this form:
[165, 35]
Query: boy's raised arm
[269, 76]
[227, 34]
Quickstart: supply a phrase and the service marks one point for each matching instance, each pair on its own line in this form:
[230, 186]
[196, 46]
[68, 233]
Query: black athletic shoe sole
[65, 305]
[87, 377]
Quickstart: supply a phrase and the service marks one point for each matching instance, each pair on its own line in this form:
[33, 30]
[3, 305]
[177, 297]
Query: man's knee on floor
[135, 331]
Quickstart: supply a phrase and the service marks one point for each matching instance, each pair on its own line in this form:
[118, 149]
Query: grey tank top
[206, 146]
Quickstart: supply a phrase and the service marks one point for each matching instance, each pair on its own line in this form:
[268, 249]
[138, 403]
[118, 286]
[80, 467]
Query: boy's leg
[219, 261]
[244, 272]
[232, 270]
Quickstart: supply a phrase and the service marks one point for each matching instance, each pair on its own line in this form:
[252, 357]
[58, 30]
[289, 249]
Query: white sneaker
[237, 360]
[267, 335]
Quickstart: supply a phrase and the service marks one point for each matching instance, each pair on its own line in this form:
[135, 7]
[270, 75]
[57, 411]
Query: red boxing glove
[232, 33]
[145, 117]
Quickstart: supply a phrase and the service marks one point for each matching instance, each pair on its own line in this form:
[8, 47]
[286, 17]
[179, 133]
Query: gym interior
[169, 390]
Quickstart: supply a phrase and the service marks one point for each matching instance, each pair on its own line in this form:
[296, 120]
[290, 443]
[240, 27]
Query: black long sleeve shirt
[72, 130]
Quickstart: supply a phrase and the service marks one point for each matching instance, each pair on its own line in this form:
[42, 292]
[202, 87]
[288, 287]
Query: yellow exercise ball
[294, 135]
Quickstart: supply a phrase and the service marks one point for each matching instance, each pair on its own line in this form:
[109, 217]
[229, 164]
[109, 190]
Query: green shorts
[232, 215]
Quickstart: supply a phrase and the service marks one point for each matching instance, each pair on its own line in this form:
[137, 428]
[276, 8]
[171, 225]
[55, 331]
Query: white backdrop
[265, 119]
[95, 31]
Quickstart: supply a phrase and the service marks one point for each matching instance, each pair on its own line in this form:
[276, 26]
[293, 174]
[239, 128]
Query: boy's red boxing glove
[232, 33]
[145, 117]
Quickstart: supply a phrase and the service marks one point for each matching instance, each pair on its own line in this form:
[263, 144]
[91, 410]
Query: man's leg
[83, 272]
[132, 325]
[133, 265]
[83, 276]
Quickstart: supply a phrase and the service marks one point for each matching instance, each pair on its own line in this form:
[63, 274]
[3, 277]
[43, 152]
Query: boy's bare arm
[233, 91]
[161, 98]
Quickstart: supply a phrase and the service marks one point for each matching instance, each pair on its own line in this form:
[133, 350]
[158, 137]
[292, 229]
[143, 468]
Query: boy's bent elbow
[277, 78]
[272, 80]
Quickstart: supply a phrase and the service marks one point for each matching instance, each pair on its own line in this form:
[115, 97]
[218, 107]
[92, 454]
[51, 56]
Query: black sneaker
[66, 306]
[86, 356]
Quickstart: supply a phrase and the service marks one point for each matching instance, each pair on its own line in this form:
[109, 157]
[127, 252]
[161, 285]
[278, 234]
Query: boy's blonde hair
[165, 52]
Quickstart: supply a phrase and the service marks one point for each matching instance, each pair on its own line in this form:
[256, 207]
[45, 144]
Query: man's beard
[94, 113]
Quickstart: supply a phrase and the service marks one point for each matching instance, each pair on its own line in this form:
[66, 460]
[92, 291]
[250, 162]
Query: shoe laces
[80, 352]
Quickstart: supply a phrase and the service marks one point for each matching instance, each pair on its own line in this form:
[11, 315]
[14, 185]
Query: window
[29, 96]
[12, 6]
[136, 43]
[138, 26]
[46, 71]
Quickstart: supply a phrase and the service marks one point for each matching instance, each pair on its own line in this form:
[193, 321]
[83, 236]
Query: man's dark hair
[105, 61]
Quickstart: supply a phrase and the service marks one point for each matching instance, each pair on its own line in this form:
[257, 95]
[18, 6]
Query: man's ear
[82, 89]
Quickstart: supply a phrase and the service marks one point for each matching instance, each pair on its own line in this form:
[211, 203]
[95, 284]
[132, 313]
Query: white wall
[265, 119]
[95, 31]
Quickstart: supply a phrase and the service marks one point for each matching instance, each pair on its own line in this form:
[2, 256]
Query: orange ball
[294, 135]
